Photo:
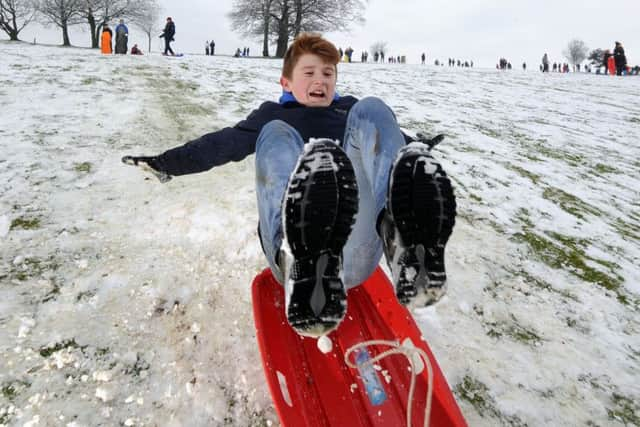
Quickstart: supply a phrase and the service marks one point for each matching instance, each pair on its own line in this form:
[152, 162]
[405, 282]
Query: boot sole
[320, 209]
[423, 208]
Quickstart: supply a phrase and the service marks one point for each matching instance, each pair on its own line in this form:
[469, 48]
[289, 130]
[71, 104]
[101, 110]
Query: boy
[336, 185]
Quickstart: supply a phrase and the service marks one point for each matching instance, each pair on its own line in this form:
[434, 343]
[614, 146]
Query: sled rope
[409, 353]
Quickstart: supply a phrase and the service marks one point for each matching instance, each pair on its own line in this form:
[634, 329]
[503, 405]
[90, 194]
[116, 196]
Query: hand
[148, 164]
[431, 142]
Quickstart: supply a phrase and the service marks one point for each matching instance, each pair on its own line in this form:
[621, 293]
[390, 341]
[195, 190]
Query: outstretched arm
[206, 152]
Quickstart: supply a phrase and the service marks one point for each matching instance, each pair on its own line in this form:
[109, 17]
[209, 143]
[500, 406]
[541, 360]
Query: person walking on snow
[338, 183]
[122, 37]
[620, 59]
[167, 34]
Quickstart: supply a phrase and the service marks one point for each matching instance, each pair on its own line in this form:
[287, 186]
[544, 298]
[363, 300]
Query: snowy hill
[124, 301]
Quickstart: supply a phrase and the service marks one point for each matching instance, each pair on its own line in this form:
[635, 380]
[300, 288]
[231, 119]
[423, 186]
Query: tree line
[15, 15]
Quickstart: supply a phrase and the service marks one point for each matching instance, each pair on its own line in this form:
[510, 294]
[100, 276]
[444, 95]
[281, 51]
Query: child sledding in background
[337, 183]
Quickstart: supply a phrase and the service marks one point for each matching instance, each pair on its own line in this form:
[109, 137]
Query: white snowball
[324, 344]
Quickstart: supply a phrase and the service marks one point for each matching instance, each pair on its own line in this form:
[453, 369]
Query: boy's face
[313, 81]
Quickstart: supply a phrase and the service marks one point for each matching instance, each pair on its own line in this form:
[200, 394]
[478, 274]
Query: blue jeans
[372, 140]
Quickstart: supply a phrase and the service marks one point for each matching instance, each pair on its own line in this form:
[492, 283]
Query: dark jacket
[620, 57]
[169, 31]
[236, 143]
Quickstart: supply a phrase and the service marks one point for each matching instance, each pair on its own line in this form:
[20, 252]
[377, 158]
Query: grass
[33, 267]
[49, 350]
[524, 173]
[84, 167]
[570, 203]
[477, 394]
[515, 331]
[567, 253]
[25, 223]
[626, 410]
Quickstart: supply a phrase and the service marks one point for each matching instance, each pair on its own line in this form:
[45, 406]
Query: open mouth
[316, 94]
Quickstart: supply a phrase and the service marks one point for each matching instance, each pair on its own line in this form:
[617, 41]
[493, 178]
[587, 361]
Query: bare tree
[378, 47]
[15, 15]
[146, 16]
[99, 12]
[576, 51]
[283, 20]
[62, 13]
[252, 18]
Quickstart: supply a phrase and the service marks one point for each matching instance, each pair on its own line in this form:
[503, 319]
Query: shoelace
[409, 353]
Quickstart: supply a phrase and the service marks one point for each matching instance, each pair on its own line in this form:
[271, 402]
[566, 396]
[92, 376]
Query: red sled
[312, 389]
[611, 65]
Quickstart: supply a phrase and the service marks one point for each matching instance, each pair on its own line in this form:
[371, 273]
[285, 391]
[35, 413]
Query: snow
[127, 301]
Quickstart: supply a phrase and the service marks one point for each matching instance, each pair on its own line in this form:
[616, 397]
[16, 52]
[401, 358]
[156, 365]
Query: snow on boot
[416, 224]
[319, 210]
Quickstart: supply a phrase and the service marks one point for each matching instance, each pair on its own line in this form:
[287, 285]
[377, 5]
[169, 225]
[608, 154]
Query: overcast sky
[479, 30]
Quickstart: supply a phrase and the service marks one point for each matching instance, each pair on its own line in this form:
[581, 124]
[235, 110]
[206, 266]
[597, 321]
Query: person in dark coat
[620, 58]
[212, 48]
[167, 34]
[323, 166]
[122, 37]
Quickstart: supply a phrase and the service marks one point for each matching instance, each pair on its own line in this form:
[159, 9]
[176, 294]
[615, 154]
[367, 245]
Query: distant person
[167, 34]
[206, 48]
[212, 47]
[620, 59]
[424, 58]
[105, 39]
[524, 66]
[135, 50]
[122, 38]
[545, 63]
[238, 53]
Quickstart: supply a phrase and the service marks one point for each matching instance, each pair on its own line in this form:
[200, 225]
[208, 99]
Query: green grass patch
[33, 267]
[477, 394]
[25, 223]
[570, 203]
[567, 253]
[626, 410]
[515, 331]
[524, 173]
[10, 390]
[49, 350]
[89, 80]
[601, 168]
[84, 167]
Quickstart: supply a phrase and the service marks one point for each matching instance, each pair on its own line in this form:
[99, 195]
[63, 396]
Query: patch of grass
[524, 173]
[25, 223]
[625, 410]
[601, 168]
[139, 366]
[477, 394]
[627, 230]
[541, 284]
[570, 203]
[33, 267]
[10, 390]
[567, 253]
[82, 167]
[89, 80]
[515, 331]
[48, 351]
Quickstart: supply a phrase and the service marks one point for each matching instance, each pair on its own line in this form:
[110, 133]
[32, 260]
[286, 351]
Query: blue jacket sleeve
[213, 149]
